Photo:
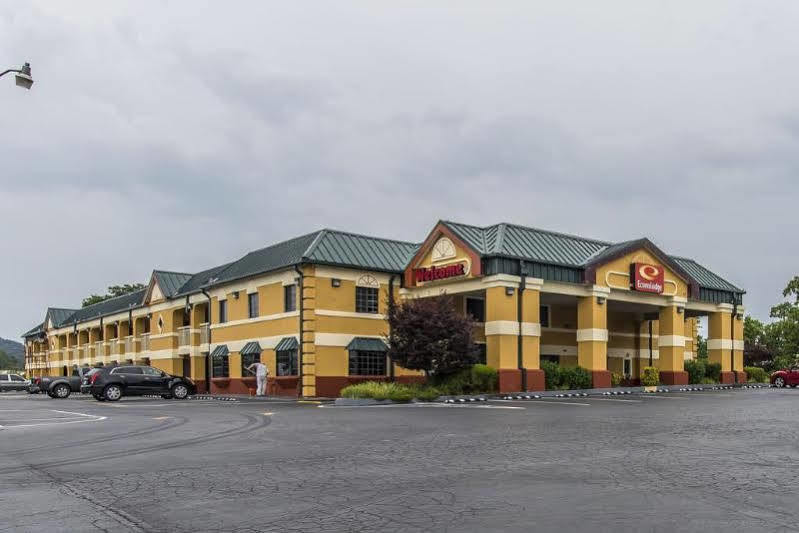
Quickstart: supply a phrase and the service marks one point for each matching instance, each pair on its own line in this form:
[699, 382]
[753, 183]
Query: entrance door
[186, 367]
[628, 368]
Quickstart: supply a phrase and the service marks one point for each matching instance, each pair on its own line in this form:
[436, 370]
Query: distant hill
[13, 349]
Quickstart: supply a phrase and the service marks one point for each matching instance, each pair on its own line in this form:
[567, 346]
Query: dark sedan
[113, 383]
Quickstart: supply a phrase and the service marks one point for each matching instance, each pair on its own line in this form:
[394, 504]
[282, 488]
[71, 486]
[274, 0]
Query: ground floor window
[221, 368]
[628, 368]
[287, 362]
[551, 358]
[363, 363]
[246, 360]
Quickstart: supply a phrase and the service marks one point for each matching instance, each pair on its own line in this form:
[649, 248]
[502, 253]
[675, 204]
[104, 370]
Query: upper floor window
[222, 311]
[252, 304]
[476, 307]
[544, 316]
[290, 298]
[365, 300]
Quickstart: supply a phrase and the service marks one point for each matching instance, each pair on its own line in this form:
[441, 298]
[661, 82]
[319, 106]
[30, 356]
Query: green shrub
[756, 374]
[713, 371]
[708, 381]
[650, 377]
[551, 374]
[484, 378]
[401, 394]
[696, 369]
[616, 379]
[580, 378]
[427, 394]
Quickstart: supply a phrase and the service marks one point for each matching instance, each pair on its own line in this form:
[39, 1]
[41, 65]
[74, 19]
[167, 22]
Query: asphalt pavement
[699, 461]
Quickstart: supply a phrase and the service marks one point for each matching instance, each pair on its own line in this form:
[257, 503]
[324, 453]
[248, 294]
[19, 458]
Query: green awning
[367, 344]
[251, 348]
[220, 351]
[287, 343]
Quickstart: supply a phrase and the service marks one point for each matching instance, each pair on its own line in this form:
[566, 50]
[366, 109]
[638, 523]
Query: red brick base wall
[742, 377]
[536, 380]
[510, 380]
[674, 377]
[600, 379]
[727, 378]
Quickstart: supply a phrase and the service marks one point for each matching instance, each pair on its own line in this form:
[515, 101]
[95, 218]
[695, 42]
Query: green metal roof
[33, 332]
[367, 344]
[110, 306]
[287, 343]
[251, 348]
[220, 351]
[560, 249]
[59, 316]
[360, 251]
[170, 282]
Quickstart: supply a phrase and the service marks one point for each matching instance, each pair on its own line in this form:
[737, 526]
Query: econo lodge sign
[646, 278]
[435, 273]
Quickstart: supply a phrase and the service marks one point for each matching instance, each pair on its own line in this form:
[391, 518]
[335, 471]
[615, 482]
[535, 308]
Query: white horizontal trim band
[671, 340]
[339, 339]
[592, 335]
[719, 344]
[265, 318]
[349, 314]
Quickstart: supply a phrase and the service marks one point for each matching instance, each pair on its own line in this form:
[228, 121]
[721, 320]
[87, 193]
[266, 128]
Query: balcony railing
[99, 351]
[184, 336]
[205, 333]
[114, 346]
[129, 344]
[145, 342]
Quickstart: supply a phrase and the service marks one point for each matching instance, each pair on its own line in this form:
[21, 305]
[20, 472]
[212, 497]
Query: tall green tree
[9, 363]
[113, 292]
[701, 347]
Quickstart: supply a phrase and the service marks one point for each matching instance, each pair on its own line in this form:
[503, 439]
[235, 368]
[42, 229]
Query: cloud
[181, 135]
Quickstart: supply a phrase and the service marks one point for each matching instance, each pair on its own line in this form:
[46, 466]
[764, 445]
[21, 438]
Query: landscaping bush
[551, 374]
[756, 374]
[580, 378]
[615, 379]
[713, 371]
[650, 377]
[708, 381]
[484, 378]
[696, 369]
[396, 392]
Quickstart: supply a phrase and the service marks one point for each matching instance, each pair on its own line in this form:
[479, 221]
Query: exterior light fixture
[23, 75]
[335, 282]
[680, 309]
[739, 316]
[235, 295]
[509, 291]
[600, 300]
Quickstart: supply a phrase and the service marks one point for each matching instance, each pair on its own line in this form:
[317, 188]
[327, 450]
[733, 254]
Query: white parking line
[614, 400]
[79, 418]
[664, 397]
[544, 401]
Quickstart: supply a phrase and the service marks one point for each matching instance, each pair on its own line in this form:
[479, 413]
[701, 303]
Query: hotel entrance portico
[619, 308]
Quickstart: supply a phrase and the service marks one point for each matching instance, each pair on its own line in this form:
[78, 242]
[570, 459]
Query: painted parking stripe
[665, 397]
[614, 400]
[541, 401]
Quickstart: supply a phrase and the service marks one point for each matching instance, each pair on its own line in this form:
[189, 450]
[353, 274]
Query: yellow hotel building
[313, 309]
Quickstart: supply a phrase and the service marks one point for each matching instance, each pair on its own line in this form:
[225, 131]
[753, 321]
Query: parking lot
[699, 461]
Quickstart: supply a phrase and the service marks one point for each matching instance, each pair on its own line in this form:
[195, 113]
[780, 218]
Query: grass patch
[396, 392]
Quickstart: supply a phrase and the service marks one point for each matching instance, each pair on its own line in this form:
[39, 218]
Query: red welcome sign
[435, 273]
[646, 278]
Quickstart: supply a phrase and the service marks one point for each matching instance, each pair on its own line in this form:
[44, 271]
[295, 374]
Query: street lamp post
[23, 75]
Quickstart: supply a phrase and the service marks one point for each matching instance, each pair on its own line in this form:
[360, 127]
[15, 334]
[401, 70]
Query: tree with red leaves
[429, 334]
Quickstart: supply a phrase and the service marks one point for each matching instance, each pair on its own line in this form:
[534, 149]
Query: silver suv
[13, 382]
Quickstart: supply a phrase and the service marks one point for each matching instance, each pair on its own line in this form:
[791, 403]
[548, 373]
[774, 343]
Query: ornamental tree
[429, 334]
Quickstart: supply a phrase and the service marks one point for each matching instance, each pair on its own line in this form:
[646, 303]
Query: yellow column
[502, 335]
[738, 345]
[592, 335]
[531, 335]
[719, 341]
[308, 299]
[671, 344]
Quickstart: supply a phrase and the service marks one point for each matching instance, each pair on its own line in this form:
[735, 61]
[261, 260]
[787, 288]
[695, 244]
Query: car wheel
[180, 391]
[112, 393]
[779, 382]
[61, 391]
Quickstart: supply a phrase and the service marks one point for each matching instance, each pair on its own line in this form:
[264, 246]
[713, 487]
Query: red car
[786, 377]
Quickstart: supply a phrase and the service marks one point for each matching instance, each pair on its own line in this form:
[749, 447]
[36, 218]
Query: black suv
[113, 383]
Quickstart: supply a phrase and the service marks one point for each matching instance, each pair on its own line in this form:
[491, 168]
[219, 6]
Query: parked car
[9, 382]
[85, 384]
[132, 380]
[786, 377]
[62, 386]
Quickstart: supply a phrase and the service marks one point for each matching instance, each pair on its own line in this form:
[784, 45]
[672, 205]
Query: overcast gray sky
[180, 135]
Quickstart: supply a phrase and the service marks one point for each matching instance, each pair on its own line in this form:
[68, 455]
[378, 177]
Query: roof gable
[468, 239]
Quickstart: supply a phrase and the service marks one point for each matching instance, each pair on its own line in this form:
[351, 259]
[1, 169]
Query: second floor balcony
[184, 336]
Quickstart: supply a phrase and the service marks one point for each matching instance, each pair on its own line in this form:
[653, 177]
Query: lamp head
[24, 78]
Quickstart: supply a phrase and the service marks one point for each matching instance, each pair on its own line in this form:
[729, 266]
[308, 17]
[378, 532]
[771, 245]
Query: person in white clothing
[260, 377]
